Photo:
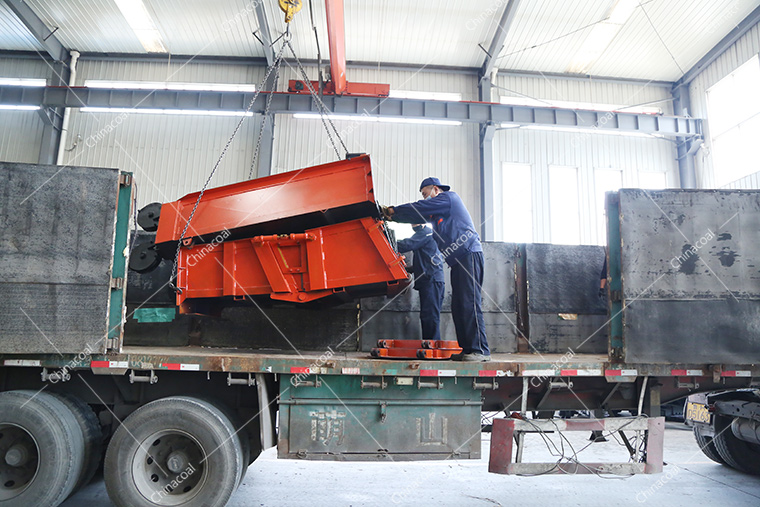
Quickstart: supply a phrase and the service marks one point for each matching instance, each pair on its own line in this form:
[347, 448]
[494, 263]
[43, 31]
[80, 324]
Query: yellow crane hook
[290, 7]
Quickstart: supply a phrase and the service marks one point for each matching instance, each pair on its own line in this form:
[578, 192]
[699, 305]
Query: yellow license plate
[697, 412]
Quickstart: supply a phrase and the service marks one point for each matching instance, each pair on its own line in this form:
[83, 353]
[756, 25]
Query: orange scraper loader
[302, 236]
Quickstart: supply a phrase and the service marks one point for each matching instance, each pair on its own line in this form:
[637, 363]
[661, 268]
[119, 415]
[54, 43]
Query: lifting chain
[323, 111]
[273, 67]
[265, 117]
[324, 115]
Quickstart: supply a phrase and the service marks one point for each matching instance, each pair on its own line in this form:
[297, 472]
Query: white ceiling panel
[546, 35]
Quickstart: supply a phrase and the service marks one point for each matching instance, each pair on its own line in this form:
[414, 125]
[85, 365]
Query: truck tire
[41, 437]
[92, 434]
[738, 454]
[707, 445]
[174, 451]
[241, 433]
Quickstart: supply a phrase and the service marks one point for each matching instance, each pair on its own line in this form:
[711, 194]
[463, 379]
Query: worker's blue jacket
[425, 268]
[453, 229]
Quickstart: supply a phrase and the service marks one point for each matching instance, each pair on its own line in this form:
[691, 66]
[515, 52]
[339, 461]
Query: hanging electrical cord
[661, 39]
[559, 37]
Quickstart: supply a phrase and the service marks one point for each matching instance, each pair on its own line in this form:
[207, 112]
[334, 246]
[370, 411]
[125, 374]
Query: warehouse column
[264, 163]
[51, 116]
[487, 130]
[487, 72]
[686, 147]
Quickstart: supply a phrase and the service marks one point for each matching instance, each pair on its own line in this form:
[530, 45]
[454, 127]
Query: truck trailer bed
[329, 362]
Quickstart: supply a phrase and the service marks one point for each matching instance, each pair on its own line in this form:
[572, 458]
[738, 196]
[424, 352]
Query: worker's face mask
[428, 197]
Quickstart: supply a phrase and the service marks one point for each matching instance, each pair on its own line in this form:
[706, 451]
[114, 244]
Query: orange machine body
[302, 236]
[282, 203]
[349, 259]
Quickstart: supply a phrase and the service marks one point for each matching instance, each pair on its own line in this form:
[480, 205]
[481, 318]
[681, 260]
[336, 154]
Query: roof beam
[266, 33]
[470, 112]
[38, 28]
[350, 64]
[497, 44]
[734, 35]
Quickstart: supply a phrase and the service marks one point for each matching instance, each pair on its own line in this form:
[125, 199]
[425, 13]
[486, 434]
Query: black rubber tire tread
[738, 454]
[92, 434]
[59, 440]
[242, 433]
[209, 425]
[707, 446]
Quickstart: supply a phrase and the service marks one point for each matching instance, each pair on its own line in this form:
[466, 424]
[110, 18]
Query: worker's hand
[387, 212]
[603, 294]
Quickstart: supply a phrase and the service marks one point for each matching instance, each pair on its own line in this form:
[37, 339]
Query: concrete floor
[689, 479]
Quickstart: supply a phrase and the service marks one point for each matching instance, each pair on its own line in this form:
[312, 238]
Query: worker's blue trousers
[431, 299]
[466, 283]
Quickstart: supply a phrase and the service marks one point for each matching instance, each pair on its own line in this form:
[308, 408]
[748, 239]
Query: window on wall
[605, 180]
[653, 181]
[517, 203]
[564, 205]
[733, 115]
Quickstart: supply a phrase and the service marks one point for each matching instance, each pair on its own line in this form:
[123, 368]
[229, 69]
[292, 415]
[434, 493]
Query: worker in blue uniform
[460, 248]
[428, 278]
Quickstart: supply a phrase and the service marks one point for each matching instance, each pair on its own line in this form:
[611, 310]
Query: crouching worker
[428, 278]
[460, 247]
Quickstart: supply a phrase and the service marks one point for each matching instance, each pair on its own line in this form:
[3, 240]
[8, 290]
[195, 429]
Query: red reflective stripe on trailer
[621, 373]
[687, 373]
[488, 373]
[109, 364]
[300, 369]
[170, 366]
[569, 373]
[736, 373]
[428, 373]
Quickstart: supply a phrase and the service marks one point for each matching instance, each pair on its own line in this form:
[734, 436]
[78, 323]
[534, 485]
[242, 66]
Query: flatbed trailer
[176, 407]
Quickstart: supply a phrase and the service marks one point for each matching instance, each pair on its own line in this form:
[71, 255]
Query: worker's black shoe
[457, 357]
[475, 358]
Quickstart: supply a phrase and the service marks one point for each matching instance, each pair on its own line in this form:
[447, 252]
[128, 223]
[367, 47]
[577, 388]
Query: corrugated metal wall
[20, 136]
[170, 155]
[402, 155]
[542, 149]
[602, 92]
[587, 152]
[21, 131]
[741, 51]
[180, 71]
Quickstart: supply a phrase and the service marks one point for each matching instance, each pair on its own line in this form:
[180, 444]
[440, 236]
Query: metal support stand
[520, 437]
[506, 431]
